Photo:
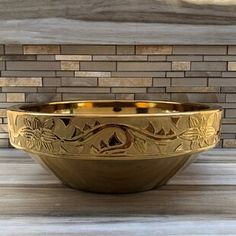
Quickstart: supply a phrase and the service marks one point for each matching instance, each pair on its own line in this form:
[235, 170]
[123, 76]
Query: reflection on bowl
[114, 146]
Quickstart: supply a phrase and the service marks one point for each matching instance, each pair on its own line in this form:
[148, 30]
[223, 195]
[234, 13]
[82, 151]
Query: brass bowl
[114, 146]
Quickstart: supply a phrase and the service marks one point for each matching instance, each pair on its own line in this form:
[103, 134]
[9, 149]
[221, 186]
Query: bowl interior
[114, 107]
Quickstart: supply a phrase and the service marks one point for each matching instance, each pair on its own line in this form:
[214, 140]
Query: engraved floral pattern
[201, 132]
[38, 134]
[60, 135]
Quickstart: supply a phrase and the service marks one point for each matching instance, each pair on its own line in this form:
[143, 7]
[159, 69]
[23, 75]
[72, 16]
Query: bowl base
[114, 176]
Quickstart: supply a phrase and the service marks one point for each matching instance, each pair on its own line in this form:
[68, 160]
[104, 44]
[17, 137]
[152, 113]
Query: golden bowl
[114, 146]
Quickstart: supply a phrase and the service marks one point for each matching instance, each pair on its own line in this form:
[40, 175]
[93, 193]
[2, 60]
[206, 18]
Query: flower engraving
[201, 132]
[38, 134]
[61, 135]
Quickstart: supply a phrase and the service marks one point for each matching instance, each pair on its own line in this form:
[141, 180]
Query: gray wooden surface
[199, 201]
[118, 22]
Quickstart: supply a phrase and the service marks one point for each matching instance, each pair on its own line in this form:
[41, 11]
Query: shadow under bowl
[114, 146]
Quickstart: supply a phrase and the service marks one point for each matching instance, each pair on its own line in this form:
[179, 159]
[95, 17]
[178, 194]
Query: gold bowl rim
[19, 109]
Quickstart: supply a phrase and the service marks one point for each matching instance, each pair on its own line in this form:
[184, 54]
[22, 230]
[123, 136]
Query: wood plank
[67, 31]
[111, 22]
[116, 226]
[62, 202]
[159, 11]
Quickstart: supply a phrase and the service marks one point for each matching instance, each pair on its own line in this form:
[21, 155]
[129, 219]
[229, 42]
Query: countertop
[199, 201]
[184, 22]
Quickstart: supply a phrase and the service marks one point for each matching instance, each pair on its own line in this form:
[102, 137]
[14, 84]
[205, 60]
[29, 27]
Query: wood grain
[158, 11]
[66, 31]
[118, 22]
[200, 199]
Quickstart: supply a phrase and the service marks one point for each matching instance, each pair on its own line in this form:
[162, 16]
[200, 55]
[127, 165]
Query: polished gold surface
[114, 146]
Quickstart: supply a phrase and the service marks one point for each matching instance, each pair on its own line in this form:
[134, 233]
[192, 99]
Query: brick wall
[43, 73]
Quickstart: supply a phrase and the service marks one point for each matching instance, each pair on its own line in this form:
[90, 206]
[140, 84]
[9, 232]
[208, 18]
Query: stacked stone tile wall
[41, 73]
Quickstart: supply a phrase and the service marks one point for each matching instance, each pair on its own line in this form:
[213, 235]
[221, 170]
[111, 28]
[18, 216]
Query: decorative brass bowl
[114, 146]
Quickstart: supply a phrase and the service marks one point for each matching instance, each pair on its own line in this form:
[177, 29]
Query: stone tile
[47, 89]
[2, 97]
[28, 73]
[175, 74]
[125, 49]
[88, 49]
[83, 90]
[232, 49]
[197, 97]
[2, 65]
[15, 97]
[229, 74]
[229, 121]
[184, 58]
[3, 128]
[79, 81]
[19, 89]
[222, 82]
[208, 66]
[231, 97]
[70, 65]
[195, 89]
[13, 49]
[73, 57]
[1, 49]
[228, 105]
[229, 143]
[17, 58]
[232, 66]
[4, 105]
[138, 74]
[156, 90]
[189, 82]
[156, 58]
[228, 128]
[30, 65]
[230, 113]
[45, 57]
[155, 49]
[143, 66]
[219, 58]
[161, 82]
[98, 66]
[181, 65]
[51, 81]
[227, 136]
[120, 58]
[41, 49]
[128, 90]
[125, 82]
[124, 96]
[87, 96]
[203, 74]
[43, 97]
[229, 89]
[65, 73]
[92, 74]
[3, 112]
[199, 50]
[152, 96]
[27, 82]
